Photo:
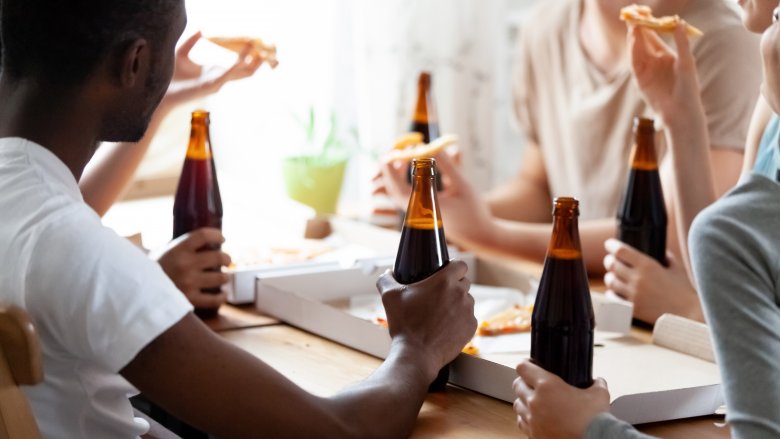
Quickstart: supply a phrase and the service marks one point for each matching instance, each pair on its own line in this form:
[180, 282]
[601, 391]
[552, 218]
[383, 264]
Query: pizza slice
[410, 146]
[640, 15]
[237, 44]
[513, 320]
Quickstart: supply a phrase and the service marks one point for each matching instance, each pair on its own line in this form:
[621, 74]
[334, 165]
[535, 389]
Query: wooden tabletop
[324, 367]
[232, 317]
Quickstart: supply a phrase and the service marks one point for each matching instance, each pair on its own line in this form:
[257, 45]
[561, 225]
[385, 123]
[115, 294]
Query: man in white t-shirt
[80, 72]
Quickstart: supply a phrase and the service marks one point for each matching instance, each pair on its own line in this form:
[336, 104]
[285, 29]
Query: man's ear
[133, 63]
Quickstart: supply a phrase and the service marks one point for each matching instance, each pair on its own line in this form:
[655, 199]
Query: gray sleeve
[735, 262]
[606, 426]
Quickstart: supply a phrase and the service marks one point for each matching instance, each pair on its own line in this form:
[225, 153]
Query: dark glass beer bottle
[198, 202]
[562, 322]
[642, 215]
[422, 250]
[425, 119]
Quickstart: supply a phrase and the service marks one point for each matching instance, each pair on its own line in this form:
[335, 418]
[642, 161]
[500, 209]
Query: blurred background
[356, 61]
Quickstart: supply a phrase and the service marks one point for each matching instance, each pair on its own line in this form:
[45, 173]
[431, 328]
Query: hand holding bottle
[668, 80]
[434, 317]
[548, 408]
[184, 260]
[653, 288]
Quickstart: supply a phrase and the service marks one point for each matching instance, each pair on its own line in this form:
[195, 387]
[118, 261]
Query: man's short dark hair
[62, 41]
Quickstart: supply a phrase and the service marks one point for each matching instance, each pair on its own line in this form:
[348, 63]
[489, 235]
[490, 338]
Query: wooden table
[324, 367]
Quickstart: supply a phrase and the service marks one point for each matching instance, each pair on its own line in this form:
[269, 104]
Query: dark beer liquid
[422, 249]
[562, 322]
[421, 253]
[429, 130]
[642, 219]
[198, 202]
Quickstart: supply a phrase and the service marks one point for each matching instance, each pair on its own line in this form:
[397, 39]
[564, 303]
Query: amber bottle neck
[423, 210]
[565, 240]
[643, 156]
[425, 111]
[199, 147]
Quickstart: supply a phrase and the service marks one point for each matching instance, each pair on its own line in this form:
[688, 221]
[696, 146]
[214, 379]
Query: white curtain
[359, 58]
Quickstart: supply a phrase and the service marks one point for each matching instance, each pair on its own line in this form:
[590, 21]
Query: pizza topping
[513, 320]
[470, 349]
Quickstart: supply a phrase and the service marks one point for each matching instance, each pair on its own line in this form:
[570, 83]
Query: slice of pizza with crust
[513, 320]
[238, 44]
[640, 15]
[410, 146]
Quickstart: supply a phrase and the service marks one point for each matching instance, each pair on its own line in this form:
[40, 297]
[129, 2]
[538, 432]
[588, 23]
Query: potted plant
[314, 177]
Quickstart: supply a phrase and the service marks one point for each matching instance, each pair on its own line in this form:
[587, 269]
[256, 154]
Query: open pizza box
[673, 377]
[349, 243]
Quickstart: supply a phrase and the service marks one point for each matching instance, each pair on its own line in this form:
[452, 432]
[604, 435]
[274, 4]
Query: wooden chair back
[20, 364]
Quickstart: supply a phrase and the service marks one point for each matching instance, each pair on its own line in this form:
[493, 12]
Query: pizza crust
[238, 44]
[410, 146]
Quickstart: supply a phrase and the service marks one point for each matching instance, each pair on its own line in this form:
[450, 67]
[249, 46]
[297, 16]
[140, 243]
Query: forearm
[530, 240]
[521, 201]
[606, 426]
[762, 113]
[229, 393]
[388, 402]
[689, 149]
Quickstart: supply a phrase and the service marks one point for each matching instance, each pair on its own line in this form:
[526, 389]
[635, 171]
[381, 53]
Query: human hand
[392, 178]
[193, 81]
[668, 80]
[187, 259]
[434, 316]
[653, 288]
[548, 408]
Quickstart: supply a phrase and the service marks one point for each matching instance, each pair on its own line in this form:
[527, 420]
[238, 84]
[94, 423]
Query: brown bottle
[422, 250]
[642, 217]
[562, 322]
[198, 202]
[424, 119]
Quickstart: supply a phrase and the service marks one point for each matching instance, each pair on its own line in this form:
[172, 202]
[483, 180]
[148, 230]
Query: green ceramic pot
[314, 182]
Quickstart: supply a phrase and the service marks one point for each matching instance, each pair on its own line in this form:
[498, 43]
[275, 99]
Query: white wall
[360, 58]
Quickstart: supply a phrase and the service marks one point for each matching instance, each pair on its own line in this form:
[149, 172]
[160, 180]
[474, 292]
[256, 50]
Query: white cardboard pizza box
[647, 382]
[350, 242]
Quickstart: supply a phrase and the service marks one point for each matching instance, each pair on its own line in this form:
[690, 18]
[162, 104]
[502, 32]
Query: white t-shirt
[94, 298]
